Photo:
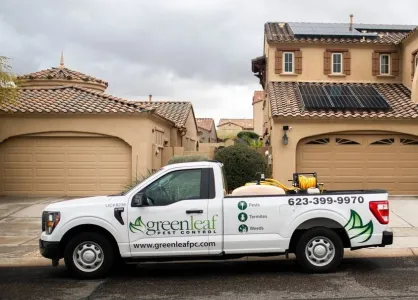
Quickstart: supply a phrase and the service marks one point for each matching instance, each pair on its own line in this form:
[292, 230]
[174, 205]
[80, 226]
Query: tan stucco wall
[48, 83]
[207, 136]
[228, 130]
[190, 139]
[135, 130]
[408, 47]
[313, 64]
[284, 156]
[258, 117]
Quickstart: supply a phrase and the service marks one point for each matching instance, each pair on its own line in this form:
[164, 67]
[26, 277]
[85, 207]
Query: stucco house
[341, 100]
[65, 136]
[229, 128]
[206, 130]
[258, 112]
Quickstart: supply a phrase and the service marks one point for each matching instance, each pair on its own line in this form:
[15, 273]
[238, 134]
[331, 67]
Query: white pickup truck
[182, 212]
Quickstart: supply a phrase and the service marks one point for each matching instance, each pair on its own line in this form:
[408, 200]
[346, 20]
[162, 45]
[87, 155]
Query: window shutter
[394, 58]
[375, 63]
[347, 63]
[298, 62]
[327, 63]
[279, 62]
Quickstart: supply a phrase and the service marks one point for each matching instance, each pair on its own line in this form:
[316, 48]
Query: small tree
[8, 82]
[241, 164]
[187, 158]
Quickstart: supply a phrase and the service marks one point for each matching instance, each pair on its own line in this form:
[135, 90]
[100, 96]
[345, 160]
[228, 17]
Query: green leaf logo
[356, 229]
[138, 225]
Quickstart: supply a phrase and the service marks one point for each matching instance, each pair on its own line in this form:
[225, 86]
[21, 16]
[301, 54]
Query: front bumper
[387, 238]
[49, 249]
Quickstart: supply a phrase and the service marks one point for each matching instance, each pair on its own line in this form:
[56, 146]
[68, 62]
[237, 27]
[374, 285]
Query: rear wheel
[89, 255]
[319, 250]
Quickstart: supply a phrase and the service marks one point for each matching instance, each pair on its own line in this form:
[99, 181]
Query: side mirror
[139, 200]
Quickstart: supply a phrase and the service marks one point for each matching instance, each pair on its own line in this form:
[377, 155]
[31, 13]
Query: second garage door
[64, 166]
[362, 161]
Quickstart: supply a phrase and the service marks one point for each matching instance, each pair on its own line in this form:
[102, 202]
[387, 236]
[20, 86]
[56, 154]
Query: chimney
[351, 22]
[150, 98]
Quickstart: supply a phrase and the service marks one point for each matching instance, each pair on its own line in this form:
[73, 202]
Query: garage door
[64, 166]
[362, 161]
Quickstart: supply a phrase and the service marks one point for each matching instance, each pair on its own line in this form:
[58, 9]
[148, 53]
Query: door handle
[195, 211]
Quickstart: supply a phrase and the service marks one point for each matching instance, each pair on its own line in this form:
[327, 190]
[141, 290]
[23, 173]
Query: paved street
[379, 278]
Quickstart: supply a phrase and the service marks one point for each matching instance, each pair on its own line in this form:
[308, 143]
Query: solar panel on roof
[314, 97]
[326, 29]
[341, 97]
[369, 97]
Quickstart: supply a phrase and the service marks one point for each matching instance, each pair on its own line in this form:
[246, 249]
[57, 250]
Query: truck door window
[174, 187]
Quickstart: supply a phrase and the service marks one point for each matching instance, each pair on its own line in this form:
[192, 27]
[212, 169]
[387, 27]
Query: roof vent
[281, 25]
[351, 22]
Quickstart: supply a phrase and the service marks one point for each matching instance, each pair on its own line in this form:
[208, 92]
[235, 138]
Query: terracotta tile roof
[244, 123]
[285, 102]
[69, 99]
[62, 73]
[284, 34]
[258, 96]
[205, 123]
[176, 112]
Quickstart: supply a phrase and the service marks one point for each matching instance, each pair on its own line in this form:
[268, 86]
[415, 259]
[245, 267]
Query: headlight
[50, 220]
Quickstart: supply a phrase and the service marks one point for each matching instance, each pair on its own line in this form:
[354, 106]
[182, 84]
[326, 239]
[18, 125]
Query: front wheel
[319, 250]
[89, 255]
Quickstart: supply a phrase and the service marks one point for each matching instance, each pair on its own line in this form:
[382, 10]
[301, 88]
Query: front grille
[44, 219]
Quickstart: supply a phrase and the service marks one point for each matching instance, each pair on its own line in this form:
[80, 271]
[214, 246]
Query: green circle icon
[243, 228]
[242, 217]
[242, 205]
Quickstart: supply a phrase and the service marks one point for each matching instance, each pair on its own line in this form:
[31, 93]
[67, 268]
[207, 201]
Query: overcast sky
[177, 50]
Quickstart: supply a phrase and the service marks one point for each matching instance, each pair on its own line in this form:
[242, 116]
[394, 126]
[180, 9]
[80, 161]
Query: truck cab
[183, 212]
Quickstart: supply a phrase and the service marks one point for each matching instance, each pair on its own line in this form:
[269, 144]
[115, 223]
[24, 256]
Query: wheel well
[87, 228]
[319, 222]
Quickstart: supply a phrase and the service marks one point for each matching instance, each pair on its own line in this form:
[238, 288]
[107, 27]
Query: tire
[319, 250]
[96, 259]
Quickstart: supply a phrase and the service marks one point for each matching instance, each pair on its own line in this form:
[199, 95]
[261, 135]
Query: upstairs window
[288, 62]
[337, 63]
[384, 64]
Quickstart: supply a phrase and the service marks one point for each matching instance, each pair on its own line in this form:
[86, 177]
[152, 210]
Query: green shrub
[241, 164]
[248, 134]
[187, 158]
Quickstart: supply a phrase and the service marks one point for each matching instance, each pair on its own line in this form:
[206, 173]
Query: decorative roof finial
[62, 60]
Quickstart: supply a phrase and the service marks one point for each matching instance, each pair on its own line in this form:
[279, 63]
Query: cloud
[199, 51]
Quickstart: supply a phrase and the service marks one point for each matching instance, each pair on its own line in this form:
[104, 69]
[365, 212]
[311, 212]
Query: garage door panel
[393, 166]
[81, 157]
[17, 172]
[16, 157]
[73, 166]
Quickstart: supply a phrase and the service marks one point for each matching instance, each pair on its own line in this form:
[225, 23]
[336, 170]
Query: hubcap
[88, 256]
[320, 251]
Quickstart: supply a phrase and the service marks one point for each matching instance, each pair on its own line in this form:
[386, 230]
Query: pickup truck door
[174, 221]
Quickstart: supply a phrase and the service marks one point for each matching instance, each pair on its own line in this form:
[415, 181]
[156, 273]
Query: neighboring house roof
[176, 112]
[387, 34]
[258, 96]
[205, 123]
[244, 123]
[69, 99]
[285, 101]
[62, 73]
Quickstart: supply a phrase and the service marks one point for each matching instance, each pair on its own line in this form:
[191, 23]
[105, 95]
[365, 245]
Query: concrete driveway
[20, 224]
